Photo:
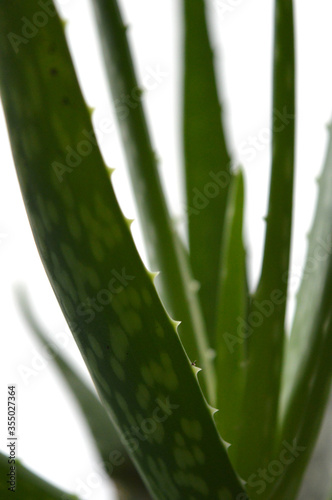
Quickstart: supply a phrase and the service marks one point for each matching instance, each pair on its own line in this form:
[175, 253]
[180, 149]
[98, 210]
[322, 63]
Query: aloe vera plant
[246, 426]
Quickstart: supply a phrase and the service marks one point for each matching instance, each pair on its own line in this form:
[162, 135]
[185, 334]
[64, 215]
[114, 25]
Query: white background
[53, 439]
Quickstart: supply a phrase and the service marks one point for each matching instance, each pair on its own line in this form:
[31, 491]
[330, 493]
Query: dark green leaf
[266, 319]
[207, 162]
[127, 340]
[151, 204]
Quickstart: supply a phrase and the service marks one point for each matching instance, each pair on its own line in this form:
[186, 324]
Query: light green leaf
[207, 162]
[306, 407]
[310, 293]
[129, 343]
[302, 409]
[266, 319]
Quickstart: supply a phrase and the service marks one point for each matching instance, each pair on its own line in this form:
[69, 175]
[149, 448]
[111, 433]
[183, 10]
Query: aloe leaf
[306, 407]
[151, 204]
[231, 348]
[129, 343]
[311, 289]
[307, 333]
[114, 456]
[28, 486]
[207, 162]
[266, 320]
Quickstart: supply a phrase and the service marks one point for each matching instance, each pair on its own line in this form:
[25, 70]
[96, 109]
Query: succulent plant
[199, 387]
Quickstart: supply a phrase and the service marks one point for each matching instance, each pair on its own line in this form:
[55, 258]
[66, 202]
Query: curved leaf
[157, 226]
[306, 407]
[311, 289]
[106, 437]
[307, 371]
[128, 342]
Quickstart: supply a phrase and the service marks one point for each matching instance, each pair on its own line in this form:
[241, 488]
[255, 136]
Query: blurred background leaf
[106, 438]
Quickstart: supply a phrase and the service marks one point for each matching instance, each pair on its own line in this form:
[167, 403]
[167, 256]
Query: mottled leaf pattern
[112, 451]
[180, 301]
[127, 340]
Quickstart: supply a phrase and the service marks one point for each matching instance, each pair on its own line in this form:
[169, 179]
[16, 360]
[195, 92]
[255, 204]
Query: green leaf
[150, 200]
[309, 398]
[233, 302]
[302, 410]
[29, 486]
[266, 320]
[207, 162]
[311, 289]
[129, 343]
[115, 458]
